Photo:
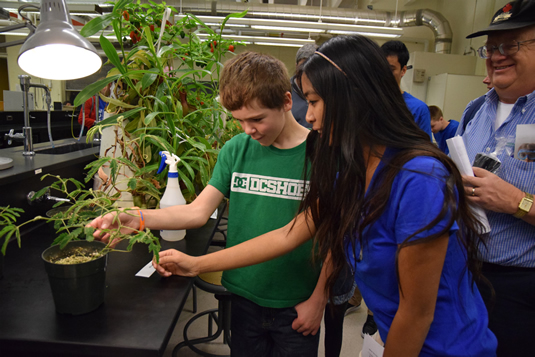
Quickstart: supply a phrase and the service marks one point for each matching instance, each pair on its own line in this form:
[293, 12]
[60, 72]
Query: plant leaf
[97, 24]
[113, 118]
[149, 117]
[148, 79]
[111, 52]
[92, 89]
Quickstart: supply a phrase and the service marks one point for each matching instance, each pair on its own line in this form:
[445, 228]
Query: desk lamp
[56, 50]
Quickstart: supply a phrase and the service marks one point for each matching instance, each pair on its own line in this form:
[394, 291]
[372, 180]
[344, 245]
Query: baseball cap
[514, 15]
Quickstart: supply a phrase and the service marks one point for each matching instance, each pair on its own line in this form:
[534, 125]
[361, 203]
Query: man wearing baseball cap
[509, 256]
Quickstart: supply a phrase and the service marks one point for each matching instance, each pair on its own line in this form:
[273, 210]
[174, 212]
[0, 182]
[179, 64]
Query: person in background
[299, 104]
[384, 198]
[397, 56]
[277, 306]
[509, 256]
[93, 108]
[442, 129]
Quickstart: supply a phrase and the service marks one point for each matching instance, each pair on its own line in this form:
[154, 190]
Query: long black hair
[364, 108]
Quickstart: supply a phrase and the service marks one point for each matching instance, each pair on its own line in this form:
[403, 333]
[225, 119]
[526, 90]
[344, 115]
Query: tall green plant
[167, 88]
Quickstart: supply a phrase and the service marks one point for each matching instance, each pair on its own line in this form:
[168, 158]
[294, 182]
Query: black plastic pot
[1, 265]
[77, 288]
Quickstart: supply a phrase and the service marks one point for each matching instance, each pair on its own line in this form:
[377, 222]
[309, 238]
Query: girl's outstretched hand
[173, 262]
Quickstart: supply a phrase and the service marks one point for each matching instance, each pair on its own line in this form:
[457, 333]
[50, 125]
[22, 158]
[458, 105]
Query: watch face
[525, 205]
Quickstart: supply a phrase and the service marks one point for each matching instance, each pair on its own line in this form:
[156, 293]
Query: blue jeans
[267, 332]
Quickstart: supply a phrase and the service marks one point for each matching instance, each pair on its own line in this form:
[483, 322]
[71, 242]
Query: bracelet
[141, 221]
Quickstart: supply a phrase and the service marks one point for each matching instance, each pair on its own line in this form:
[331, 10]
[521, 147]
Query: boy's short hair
[250, 76]
[436, 113]
[396, 48]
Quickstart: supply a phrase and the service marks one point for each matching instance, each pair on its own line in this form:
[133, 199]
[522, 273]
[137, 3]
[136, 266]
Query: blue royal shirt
[419, 111]
[447, 133]
[511, 240]
[460, 323]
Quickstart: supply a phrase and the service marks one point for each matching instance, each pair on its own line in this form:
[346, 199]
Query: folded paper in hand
[460, 157]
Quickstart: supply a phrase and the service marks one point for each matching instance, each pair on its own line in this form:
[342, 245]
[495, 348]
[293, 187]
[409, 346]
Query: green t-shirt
[265, 187]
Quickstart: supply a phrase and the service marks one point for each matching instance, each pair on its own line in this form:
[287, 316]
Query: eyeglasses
[506, 49]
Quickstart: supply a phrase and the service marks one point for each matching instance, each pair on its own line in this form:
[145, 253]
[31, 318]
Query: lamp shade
[56, 50]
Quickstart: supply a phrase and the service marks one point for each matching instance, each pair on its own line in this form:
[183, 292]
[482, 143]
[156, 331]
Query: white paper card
[371, 348]
[460, 157]
[214, 215]
[146, 271]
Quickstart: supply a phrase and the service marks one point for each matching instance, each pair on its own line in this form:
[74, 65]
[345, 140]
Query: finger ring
[473, 191]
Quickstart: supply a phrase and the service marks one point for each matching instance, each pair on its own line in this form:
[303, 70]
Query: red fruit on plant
[152, 28]
[126, 15]
[133, 36]
[231, 48]
[202, 103]
[215, 43]
[212, 49]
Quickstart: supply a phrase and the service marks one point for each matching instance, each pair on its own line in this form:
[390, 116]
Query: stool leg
[191, 343]
[226, 321]
[194, 290]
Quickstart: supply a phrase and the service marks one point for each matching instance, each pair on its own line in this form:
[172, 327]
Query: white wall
[452, 92]
[433, 64]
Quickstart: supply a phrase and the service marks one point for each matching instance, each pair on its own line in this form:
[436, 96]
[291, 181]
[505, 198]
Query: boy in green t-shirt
[277, 306]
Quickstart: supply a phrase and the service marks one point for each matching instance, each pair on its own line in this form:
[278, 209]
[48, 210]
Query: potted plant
[76, 264]
[166, 94]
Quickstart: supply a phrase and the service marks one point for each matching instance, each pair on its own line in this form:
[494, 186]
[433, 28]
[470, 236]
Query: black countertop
[28, 166]
[137, 318]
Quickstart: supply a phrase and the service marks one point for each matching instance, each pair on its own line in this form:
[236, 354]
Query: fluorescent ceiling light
[218, 24]
[367, 34]
[277, 44]
[285, 29]
[373, 21]
[322, 26]
[278, 40]
[317, 17]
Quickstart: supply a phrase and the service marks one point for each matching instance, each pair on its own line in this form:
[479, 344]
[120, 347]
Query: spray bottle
[172, 195]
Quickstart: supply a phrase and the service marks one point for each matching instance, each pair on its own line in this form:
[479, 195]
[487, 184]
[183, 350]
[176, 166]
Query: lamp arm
[27, 24]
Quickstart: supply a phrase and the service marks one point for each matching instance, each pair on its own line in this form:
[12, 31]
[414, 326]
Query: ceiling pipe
[423, 17]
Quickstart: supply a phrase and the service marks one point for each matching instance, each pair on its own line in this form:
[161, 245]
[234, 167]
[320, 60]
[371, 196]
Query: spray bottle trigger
[162, 162]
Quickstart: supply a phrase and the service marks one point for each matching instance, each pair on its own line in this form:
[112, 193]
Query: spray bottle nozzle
[169, 159]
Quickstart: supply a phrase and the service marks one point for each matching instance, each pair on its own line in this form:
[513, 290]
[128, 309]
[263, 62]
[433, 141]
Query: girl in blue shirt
[384, 198]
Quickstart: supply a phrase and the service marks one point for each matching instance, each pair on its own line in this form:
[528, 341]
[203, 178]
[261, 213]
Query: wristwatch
[524, 206]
